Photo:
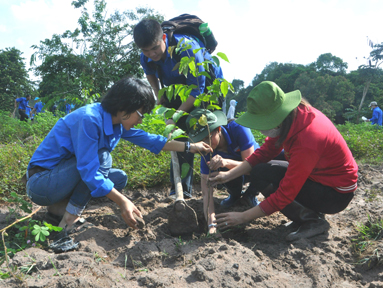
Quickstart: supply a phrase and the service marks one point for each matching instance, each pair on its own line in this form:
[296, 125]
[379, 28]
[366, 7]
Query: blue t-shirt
[67, 108]
[376, 116]
[82, 134]
[170, 77]
[23, 103]
[38, 106]
[28, 112]
[238, 139]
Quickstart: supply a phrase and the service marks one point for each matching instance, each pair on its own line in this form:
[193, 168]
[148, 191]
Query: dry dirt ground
[253, 255]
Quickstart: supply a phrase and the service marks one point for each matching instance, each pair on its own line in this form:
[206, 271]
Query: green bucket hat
[268, 106]
[196, 132]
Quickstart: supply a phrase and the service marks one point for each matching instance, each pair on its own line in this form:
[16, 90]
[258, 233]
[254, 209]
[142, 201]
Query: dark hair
[28, 95]
[286, 124]
[147, 32]
[128, 95]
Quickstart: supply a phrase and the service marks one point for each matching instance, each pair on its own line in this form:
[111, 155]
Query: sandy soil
[253, 255]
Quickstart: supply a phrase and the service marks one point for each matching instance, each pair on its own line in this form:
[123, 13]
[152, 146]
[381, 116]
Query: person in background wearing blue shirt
[68, 108]
[38, 107]
[23, 105]
[157, 63]
[376, 114]
[73, 163]
[231, 143]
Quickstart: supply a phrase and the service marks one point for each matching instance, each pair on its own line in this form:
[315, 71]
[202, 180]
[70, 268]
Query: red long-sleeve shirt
[315, 150]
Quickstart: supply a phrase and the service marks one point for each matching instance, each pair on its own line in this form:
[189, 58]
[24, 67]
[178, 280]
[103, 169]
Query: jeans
[62, 182]
[313, 195]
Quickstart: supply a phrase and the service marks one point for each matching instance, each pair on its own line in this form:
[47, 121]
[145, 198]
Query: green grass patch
[366, 242]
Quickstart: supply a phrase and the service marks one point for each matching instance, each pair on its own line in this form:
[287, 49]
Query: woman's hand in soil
[200, 147]
[127, 210]
[225, 220]
[126, 206]
[216, 162]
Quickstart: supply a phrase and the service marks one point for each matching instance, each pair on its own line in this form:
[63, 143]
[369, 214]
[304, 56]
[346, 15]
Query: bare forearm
[188, 105]
[153, 81]
[253, 213]
[230, 163]
[243, 168]
[117, 197]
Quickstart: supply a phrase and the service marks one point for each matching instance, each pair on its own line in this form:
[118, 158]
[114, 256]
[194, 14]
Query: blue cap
[37, 98]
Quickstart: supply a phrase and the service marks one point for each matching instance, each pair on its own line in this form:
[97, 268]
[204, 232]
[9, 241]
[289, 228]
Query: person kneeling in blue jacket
[74, 164]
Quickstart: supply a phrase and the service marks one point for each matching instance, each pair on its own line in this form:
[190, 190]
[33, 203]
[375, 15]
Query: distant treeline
[324, 83]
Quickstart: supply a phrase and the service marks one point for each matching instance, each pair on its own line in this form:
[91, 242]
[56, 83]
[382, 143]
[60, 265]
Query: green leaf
[37, 237]
[184, 170]
[202, 120]
[197, 103]
[170, 92]
[169, 129]
[169, 114]
[195, 51]
[178, 114]
[170, 50]
[223, 56]
[192, 68]
[177, 66]
[204, 73]
[216, 60]
[224, 88]
[213, 107]
[177, 133]
[192, 122]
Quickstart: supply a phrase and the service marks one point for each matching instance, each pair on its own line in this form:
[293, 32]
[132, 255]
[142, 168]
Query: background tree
[14, 80]
[368, 71]
[330, 64]
[93, 56]
[238, 84]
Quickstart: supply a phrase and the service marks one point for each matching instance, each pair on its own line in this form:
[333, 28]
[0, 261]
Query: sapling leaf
[177, 133]
[170, 92]
[192, 122]
[161, 92]
[223, 56]
[192, 68]
[216, 60]
[213, 107]
[224, 88]
[169, 113]
[195, 51]
[197, 103]
[184, 170]
[178, 114]
[176, 67]
[202, 120]
[171, 50]
[169, 129]
[204, 73]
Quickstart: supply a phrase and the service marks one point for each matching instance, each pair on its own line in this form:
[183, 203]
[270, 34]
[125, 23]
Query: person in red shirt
[319, 176]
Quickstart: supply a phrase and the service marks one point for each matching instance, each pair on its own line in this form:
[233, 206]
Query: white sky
[252, 33]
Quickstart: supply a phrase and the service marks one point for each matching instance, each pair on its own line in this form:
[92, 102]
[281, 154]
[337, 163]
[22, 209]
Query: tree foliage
[93, 56]
[14, 80]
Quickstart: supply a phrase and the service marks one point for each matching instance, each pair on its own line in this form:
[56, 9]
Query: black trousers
[313, 195]
[23, 115]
